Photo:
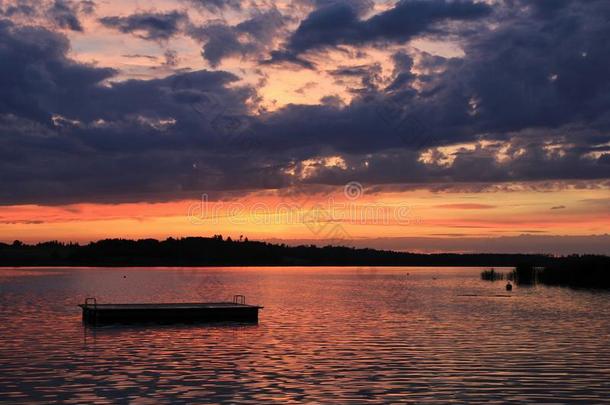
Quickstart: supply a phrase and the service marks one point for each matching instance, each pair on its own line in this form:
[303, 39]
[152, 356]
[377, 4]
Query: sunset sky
[422, 125]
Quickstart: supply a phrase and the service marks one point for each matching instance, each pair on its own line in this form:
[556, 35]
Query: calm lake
[326, 335]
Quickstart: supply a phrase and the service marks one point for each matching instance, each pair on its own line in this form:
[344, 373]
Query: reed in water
[570, 271]
[491, 275]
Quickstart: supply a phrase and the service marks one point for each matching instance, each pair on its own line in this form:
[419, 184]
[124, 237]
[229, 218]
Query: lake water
[330, 335]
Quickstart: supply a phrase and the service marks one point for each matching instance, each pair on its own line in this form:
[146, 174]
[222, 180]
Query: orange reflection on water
[325, 335]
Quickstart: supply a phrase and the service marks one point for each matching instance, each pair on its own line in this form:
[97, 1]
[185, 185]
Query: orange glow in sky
[323, 217]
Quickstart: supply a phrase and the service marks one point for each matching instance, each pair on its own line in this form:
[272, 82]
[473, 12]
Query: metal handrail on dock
[90, 299]
[239, 299]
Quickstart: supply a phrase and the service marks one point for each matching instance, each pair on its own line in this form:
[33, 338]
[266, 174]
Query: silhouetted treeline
[217, 251]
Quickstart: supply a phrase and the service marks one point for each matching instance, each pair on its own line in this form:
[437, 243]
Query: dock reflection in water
[325, 335]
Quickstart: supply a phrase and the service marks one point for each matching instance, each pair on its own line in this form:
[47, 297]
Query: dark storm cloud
[249, 37]
[64, 14]
[17, 9]
[87, 6]
[543, 71]
[339, 22]
[545, 7]
[65, 131]
[387, 162]
[360, 6]
[403, 78]
[284, 57]
[35, 72]
[535, 88]
[369, 77]
[148, 25]
[217, 5]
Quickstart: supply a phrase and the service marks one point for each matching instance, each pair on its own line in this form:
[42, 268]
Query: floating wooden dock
[236, 311]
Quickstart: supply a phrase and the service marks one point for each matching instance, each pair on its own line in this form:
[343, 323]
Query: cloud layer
[529, 100]
[339, 23]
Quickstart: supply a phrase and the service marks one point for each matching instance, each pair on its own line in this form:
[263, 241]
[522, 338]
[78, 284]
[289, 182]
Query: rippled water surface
[325, 335]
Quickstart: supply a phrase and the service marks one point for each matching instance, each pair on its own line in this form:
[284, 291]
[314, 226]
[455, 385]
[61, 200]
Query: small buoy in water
[124, 276]
[509, 287]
